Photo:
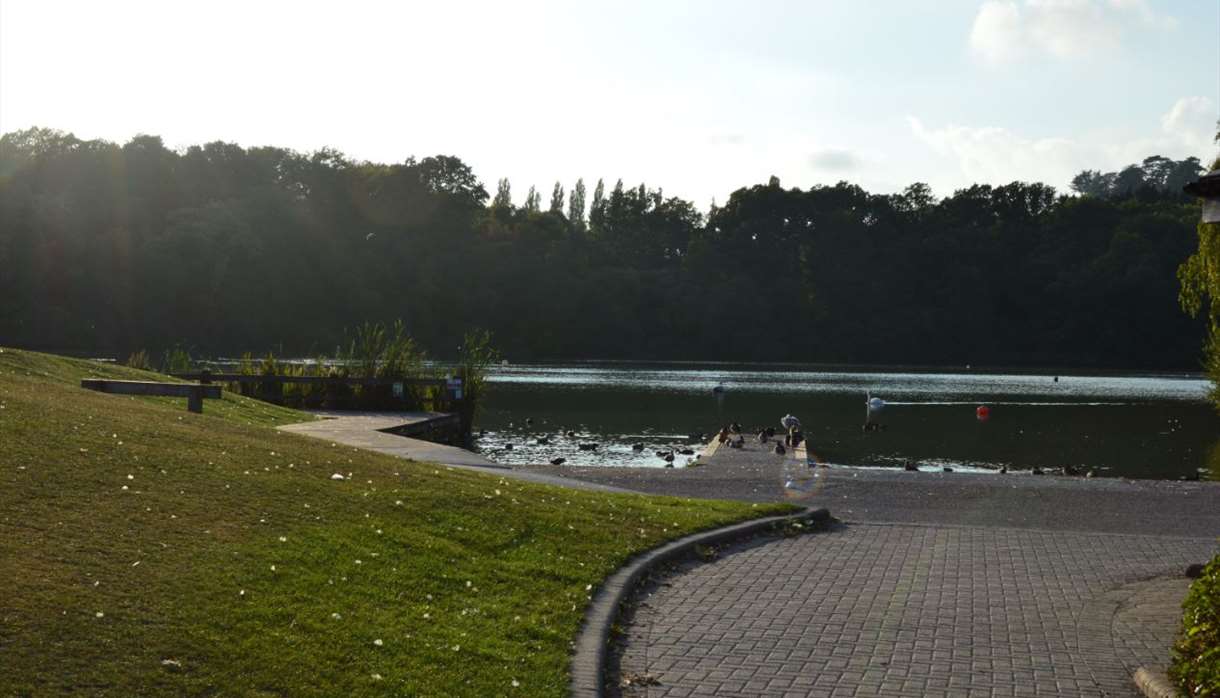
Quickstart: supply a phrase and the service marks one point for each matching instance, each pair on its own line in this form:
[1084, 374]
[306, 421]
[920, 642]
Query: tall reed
[477, 356]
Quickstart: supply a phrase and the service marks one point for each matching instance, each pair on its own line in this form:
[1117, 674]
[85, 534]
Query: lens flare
[803, 477]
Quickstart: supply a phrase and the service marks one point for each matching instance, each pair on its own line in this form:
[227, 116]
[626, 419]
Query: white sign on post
[1211, 210]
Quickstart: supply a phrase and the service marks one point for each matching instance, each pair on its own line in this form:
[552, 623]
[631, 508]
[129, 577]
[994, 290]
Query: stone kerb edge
[589, 659]
[1153, 684]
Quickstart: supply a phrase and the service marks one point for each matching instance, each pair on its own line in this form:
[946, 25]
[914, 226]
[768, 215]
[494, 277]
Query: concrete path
[368, 430]
[913, 610]
[1016, 500]
[940, 584]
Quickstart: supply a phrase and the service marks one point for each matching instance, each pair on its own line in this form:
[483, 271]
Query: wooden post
[194, 401]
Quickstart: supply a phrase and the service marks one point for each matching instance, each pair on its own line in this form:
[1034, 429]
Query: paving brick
[916, 610]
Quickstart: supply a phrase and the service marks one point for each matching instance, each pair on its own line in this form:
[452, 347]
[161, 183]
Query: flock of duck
[667, 455]
[733, 437]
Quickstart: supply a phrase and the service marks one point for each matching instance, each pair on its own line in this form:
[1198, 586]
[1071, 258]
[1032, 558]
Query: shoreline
[1048, 502]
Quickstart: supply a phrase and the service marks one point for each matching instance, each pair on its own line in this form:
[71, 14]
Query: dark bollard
[194, 401]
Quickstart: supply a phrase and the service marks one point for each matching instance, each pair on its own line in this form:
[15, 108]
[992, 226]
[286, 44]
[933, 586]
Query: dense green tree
[1156, 177]
[1093, 183]
[597, 209]
[106, 249]
[576, 205]
[1200, 291]
[504, 195]
[533, 201]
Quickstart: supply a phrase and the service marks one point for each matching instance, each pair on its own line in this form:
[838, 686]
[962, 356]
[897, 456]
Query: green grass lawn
[148, 550]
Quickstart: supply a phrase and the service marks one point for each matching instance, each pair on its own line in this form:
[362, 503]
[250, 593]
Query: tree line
[109, 248]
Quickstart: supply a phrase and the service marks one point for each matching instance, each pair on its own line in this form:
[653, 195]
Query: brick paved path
[1146, 620]
[909, 610]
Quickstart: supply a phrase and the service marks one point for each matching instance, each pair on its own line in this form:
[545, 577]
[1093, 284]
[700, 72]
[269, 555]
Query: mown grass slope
[148, 550]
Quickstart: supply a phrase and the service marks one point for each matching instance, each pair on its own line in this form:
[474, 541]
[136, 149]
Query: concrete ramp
[370, 431]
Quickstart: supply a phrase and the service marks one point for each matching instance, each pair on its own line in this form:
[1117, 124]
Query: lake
[1121, 425]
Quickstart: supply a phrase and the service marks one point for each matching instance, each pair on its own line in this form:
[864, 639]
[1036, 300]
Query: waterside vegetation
[384, 354]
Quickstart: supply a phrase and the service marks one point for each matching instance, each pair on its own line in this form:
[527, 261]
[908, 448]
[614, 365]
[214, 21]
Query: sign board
[1211, 210]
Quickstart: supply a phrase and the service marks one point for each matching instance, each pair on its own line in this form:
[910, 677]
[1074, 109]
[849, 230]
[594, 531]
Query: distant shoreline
[951, 369]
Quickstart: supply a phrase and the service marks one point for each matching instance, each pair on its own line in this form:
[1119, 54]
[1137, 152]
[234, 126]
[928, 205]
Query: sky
[697, 97]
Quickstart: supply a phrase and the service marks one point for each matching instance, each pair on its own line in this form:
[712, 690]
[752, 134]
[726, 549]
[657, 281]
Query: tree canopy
[108, 248]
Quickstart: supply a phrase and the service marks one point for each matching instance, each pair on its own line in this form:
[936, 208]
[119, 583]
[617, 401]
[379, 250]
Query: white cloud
[1192, 119]
[1007, 30]
[834, 160]
[997, 155]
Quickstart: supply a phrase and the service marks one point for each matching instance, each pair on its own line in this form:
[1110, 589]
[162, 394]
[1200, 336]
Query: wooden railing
[448, 391]
[194, 394]
[206, 377]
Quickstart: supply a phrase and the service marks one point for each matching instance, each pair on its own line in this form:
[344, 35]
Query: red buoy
[982, 412]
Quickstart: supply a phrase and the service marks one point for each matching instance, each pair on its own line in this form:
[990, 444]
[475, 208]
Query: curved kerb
[1153, 684]
[588, 662]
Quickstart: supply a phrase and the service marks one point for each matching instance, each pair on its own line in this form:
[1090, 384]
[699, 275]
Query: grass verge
[148, 550]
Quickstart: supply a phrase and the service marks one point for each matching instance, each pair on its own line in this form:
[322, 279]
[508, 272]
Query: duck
[687, 451]
[669, 458]
[588, 447]
[779, 449]
[558, 461]
[570, 434]
[637, 447]
[508, 447]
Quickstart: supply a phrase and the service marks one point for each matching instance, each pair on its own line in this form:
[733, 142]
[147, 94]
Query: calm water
[1130, 426]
